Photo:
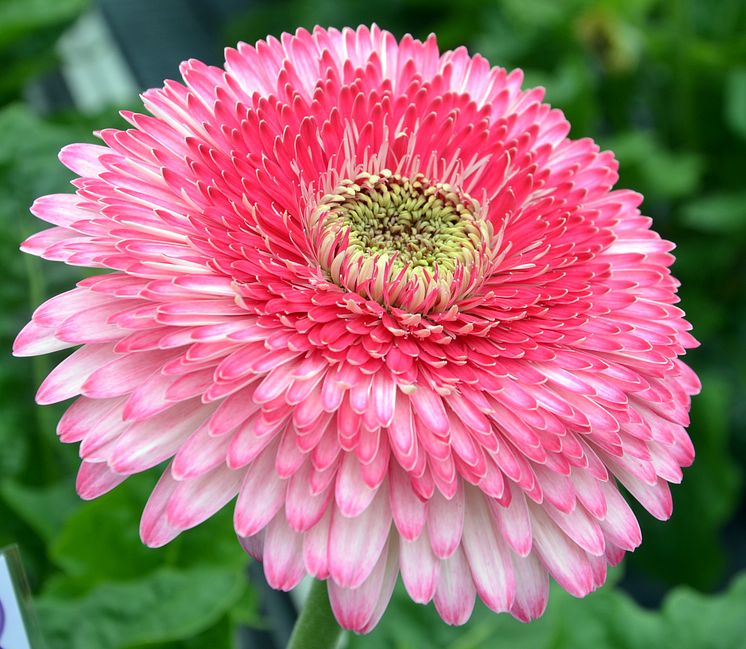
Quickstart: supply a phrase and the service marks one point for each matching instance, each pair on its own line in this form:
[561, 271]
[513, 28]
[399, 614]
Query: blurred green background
[662, 83]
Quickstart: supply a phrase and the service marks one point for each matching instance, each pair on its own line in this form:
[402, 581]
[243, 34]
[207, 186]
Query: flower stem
[316, 627]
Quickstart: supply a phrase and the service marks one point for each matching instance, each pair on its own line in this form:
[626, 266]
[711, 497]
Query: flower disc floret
[391, 229]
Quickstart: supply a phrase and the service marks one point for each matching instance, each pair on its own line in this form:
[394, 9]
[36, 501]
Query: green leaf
[101, 541]
[162, 607]
[222, 635]
[12, 441]
[44, 509]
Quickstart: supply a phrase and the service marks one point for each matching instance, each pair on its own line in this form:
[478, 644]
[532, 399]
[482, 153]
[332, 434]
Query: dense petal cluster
[374, 292]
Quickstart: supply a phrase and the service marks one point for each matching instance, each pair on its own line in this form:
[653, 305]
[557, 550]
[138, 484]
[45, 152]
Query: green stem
[316, 627]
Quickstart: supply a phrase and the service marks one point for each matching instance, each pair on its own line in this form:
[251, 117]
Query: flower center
[404, 242]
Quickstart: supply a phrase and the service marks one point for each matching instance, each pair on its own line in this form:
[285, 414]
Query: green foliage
[722, 213]
[163, 606]
[28, 31]
[735, 105]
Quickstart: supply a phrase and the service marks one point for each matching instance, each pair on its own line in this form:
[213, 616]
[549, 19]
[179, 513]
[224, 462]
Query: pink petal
[147, 443]
[445, 523]
[303, 507]
[514, 522]
[261, 496]
[455, 595]
[35, 339]
[532, 588]
[316, 547]
[199, 454]
[59, 209]
[196, 499]
[419, 568]
[619, 525]
[85, 414]
[83, 159]
[253, 545]
[95, 479]
[67, 379]
[283, 555]
[429, 408]
[564, 560]
[355, 544]
[408, 511]
[489, 560]
[352, 495]
[155, 530]
[354, 607]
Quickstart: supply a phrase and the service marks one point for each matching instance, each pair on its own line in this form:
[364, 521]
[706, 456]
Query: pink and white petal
[60, 209]
[261, 496]
[430, 409]
[384, 394]
[532, 588]
[316, 547]
[155, 530]
[95, 479]
[124, 374]
[199, 454]
[456, 593]
[589, 492]
[196, 499]
[35, 339]
[656, 498]
[351, 493]
[581, 527]
[408, 511]
[564, 560]
[419, 568]
[620, 525]
[247, 443]
[391, 572]
[303, 507]
[514, 521]
[84, 159]
[283, 555]
[149, 442]
[67, 379]
[254, 545]
[488, 557]
[355, 544]
[354, 607]
[445, 523]
[86, 414]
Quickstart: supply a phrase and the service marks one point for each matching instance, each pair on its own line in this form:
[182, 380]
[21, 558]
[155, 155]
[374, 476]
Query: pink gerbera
[375, 292]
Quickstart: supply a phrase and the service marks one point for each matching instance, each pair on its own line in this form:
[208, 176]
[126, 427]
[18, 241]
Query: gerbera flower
[376, 293]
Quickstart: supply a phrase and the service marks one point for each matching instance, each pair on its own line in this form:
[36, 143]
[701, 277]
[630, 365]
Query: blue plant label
[13, 633]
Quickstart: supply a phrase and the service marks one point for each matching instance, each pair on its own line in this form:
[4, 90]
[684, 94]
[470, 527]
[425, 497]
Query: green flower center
[420, 224]
[387, 235]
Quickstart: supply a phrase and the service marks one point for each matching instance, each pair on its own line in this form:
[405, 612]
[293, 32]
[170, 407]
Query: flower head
[376, 293]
